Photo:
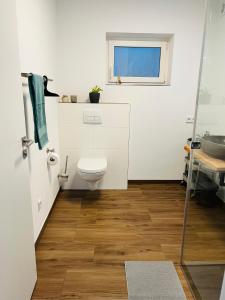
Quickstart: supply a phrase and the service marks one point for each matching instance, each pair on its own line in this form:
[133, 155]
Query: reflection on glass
[203, 256]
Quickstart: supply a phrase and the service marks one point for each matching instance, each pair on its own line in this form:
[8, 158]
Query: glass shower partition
[203, 248]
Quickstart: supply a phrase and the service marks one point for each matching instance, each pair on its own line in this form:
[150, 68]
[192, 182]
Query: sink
[214, 145]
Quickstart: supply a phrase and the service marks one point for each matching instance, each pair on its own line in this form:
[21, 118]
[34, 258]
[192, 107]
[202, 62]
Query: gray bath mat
[156, 280]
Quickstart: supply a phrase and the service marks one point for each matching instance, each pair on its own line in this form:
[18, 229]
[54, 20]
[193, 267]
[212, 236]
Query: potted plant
[94, 94]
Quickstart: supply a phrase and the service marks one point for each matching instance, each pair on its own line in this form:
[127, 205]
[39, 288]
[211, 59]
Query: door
[17, 253]
[203, 255]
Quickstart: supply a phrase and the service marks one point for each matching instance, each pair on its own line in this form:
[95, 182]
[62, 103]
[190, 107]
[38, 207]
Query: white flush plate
[92, 116]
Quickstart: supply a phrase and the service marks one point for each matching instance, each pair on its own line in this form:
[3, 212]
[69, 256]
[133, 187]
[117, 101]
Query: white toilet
[92, 170]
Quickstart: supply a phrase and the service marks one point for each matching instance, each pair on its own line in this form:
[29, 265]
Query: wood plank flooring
[89, 235]
[205, 233]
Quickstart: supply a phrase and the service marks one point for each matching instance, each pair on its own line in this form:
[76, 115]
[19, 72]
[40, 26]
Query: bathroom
[109, 187]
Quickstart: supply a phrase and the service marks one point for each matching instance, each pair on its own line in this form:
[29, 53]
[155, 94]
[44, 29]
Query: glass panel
[137, 61]
[204, 240]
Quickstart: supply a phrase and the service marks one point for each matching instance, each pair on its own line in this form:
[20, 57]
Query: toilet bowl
[92, 170]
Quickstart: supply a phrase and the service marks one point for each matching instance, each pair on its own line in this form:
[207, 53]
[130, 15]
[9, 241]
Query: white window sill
[138, 84]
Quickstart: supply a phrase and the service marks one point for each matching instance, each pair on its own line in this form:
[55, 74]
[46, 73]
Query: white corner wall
[37, 42]
[158, 129]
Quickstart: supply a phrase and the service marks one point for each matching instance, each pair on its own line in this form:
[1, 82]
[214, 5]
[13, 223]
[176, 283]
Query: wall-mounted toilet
[92, 170]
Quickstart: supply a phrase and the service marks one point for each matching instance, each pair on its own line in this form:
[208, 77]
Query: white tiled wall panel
[109, 139]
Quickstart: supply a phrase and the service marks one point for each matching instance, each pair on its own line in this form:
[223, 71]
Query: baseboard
[130, 182]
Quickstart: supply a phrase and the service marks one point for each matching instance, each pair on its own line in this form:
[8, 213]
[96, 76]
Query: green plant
[96, 89]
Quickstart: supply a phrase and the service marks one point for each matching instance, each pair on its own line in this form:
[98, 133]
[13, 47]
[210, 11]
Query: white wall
[109, 139]
[158, 113]
[37, 42]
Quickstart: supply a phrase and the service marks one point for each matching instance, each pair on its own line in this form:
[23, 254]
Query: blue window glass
[137, 61]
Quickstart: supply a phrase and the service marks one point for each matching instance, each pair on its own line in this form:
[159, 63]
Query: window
[138, 62]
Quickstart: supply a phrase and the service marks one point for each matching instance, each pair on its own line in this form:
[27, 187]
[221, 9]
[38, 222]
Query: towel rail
[30, 74]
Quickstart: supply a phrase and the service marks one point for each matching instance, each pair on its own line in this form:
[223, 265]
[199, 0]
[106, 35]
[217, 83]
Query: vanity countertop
[215, 164]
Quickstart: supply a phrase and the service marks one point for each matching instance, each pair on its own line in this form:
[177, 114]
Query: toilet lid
[92, 165]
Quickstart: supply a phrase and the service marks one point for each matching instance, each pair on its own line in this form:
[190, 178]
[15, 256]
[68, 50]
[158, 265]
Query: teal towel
[36, 89]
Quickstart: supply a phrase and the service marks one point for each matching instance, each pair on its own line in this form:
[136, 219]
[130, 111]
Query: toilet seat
[92, 165]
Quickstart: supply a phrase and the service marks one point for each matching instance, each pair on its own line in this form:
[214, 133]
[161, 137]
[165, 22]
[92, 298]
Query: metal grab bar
[30, 74]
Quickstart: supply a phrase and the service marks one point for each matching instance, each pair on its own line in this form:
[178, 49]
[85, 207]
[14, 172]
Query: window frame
[163, 77]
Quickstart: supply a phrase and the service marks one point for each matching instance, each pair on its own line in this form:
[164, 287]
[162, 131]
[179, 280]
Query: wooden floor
[205, 233]
[89, 235]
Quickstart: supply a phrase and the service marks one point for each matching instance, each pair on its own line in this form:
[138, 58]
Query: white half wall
[157, 129]
[37, 41]
[108, 140]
